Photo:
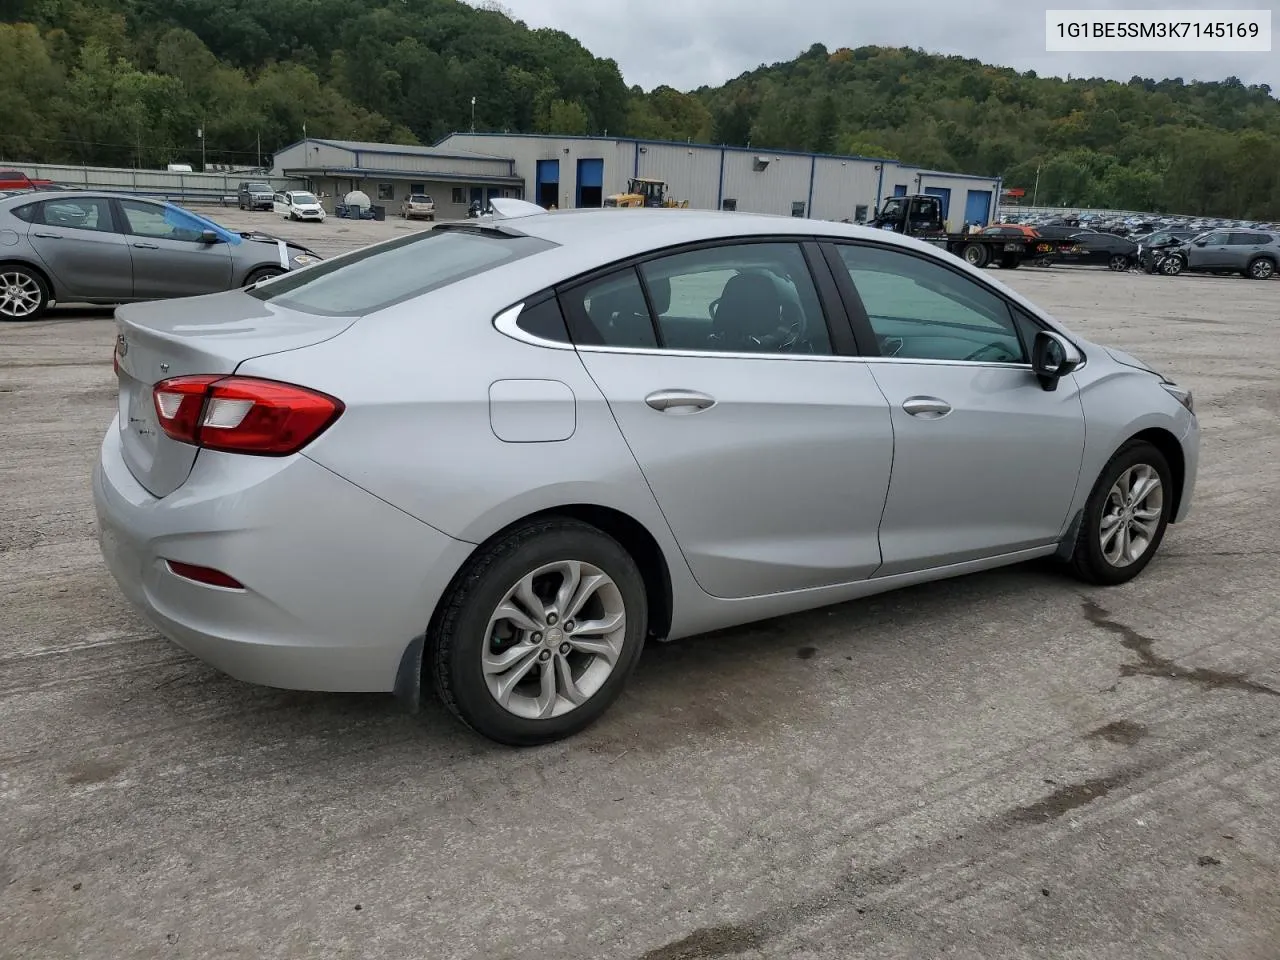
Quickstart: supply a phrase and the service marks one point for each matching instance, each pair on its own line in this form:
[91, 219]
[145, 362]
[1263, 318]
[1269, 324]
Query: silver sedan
[85, 247]
[499, 456]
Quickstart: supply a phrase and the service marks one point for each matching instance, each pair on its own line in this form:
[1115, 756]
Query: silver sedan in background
[500, 455]
[107, 248]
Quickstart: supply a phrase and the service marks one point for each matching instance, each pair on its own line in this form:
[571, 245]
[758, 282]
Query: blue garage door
[591, 183]
[900, 190]
[944, 195]
[548, 185]
[977, 207]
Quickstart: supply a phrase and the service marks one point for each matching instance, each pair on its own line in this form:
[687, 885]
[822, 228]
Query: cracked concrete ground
[1005, 765]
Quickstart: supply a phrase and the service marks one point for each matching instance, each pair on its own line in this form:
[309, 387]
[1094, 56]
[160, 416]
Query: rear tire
[1122, 525]
[477, 655]
[1118, 263]
[24, 293]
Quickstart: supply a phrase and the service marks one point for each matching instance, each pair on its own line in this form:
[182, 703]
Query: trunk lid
[195, 335]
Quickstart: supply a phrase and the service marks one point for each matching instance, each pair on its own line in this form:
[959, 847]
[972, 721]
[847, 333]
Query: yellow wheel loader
[644, 192]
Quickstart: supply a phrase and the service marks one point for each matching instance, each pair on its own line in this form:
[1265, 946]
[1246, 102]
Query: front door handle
[147, 246]
[49, 236]
[927, 408]
[679, 401]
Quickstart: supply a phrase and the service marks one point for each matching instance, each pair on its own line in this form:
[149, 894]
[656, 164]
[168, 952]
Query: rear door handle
[927, 408]
[147, 246]
[49, 236]
[680, 401]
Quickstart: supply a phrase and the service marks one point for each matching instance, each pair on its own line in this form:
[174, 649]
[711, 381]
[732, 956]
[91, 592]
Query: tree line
[130, 82]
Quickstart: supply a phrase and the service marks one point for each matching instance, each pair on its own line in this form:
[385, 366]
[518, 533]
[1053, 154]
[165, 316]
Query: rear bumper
[337, 582]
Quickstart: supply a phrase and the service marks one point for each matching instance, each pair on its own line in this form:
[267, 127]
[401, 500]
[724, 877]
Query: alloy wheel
[1262, 269]
[554, 639]
[20, 295]
[1119, 262]
[1131, 515]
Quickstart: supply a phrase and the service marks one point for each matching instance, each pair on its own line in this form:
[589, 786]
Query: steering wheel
[987, 347]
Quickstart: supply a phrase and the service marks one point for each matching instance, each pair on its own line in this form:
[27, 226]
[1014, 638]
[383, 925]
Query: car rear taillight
[243, 414]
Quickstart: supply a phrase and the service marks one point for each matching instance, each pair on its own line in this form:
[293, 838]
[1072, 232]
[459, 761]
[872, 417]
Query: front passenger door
[169, 258]
[985, 461]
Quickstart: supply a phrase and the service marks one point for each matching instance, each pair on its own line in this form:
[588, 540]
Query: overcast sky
[687, 43]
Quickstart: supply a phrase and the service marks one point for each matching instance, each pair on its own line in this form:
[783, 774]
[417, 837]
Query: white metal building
[389, 172]
[580, 171]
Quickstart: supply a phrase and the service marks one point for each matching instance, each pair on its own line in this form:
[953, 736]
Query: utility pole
[259, 149]
[200, 133]
[1036, 191]
[473, 114]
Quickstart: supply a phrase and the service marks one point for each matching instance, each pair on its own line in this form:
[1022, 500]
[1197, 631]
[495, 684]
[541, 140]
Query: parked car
[418, 205]
[1250, 253]
[299, 205]
[1151, 246]
[502, 455]
[1097, 249]
[255, 195]
[88, 247]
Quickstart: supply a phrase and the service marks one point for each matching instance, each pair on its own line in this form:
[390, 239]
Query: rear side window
[379, 277]
[27, 212]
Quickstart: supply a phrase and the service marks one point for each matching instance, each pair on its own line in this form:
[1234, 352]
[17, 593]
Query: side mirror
[1201, 243]
[208, 236]
[1053, 356]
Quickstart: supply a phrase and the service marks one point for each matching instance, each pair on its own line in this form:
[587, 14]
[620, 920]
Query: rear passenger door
[767, 446]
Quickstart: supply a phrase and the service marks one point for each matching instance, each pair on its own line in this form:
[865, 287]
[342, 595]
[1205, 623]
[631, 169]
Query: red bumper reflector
[205, 575]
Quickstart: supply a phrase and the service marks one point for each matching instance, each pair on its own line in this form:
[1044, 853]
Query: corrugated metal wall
[959, 185]
[618, 157]
[784, 181]
[692, 173]
[841, 186]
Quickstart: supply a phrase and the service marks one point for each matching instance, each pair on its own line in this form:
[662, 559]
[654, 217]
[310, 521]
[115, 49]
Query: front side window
[78, 214]
[921, 310]
[741, 298]
[161, 222]
[381, 276]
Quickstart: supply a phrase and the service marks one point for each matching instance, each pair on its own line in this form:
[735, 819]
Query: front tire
[1119, 262]
[264, 273]
[1125, 517]
[539, 632]
[24, 294]
[1172, 266]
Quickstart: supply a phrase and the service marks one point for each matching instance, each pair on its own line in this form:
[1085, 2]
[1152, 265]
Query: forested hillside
[131, 81]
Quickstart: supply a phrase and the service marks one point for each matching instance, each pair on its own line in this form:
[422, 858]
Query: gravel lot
[1005, 765]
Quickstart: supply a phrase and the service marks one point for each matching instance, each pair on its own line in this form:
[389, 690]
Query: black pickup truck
[920, 216]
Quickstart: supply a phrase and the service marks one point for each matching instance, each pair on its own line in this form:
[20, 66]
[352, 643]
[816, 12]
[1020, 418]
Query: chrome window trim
[506, 323]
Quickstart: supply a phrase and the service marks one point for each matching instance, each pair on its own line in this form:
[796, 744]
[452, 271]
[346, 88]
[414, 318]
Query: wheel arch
[34, 268]
[634, 537]
[1168, 445]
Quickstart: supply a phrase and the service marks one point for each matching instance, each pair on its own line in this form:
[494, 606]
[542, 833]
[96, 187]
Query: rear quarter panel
[418, 430]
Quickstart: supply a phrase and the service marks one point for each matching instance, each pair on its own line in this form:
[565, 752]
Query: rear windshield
[379, 277]
[419, 198]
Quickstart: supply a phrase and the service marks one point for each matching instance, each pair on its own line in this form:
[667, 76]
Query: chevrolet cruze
[499, 456]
